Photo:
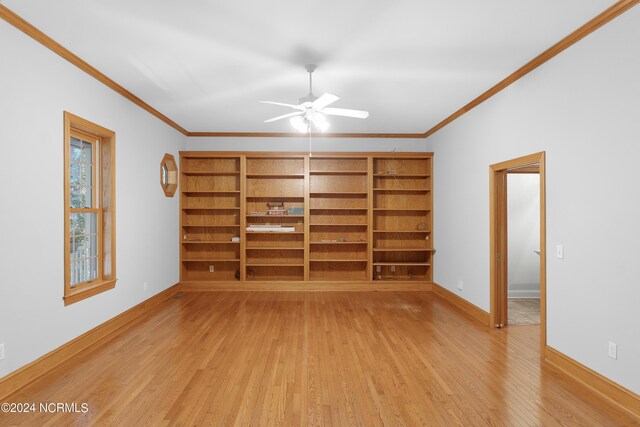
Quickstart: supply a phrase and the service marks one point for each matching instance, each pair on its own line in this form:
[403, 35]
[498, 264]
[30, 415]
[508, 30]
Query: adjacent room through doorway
[523, 231]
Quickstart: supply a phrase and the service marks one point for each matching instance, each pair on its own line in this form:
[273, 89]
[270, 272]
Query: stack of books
[276, 208]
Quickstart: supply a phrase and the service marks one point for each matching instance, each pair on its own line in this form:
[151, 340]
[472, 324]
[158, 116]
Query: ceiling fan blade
[323, 101]
[284, 116]
[358, 114]
[297, 107]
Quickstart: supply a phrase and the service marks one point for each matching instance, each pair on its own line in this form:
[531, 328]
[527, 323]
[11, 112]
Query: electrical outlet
[1, 351]
[613, 350]
[212, 269]
[393, 268]
[460, 285]
[145, 286]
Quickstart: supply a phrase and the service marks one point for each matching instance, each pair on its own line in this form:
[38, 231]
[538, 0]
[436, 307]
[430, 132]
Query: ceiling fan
[313, 110]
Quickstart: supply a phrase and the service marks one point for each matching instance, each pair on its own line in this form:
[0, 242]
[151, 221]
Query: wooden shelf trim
[338, 260]
[211, 192]
[210, 173]
[417, 264]
[338, 225]
[275, 175]
[403, 190]
[211, 209]
[340, 193]
[274, 248]
[211, 260]
[338, 209]
[403, 250]
[212, 225]
[281, 264]
[401, 175]
[337, 172]
[400, 210]
[402, 231]
[209, 242]
[338, 243]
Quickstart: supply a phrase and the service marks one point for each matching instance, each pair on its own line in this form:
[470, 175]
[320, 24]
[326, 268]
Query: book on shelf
[276, 212]
[257, 213]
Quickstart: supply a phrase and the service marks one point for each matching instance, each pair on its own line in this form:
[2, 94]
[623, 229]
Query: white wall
[523, 233]
[302, 144]
[36, 86]
[583, 109]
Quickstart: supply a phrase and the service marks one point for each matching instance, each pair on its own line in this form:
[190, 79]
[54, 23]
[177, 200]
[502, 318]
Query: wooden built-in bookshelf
[354, 217]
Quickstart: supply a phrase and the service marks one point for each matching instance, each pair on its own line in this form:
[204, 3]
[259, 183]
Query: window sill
[85, 292]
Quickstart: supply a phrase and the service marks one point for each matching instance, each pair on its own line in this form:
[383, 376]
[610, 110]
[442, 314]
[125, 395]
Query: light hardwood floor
[315, 358]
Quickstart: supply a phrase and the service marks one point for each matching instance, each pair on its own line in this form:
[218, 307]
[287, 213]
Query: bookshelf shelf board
[400, 210]
[337, 209]
[338, 260]
[338, 243]
[210, 260]
[319, 172]
[402, 190]
[402, 231]
[275, 216]
[233, 208]
[211, 192]
[276, 175]
[338, 225]
[276, 232]
[339, 193]
[209, 242]
[287, 198]
[210, 173]
[281, 264]
[402, 250]
[400, 175]
[212, 225]
[410, 264]
[275, 248]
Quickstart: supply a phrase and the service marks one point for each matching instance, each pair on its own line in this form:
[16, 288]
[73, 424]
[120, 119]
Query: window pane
[81, 227]
[83, 271]
[81, 197]
[75, 149]
[87, 153]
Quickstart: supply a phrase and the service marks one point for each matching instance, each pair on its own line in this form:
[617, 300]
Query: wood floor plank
[315, 359]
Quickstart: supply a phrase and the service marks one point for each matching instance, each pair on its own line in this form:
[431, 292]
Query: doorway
[532, 165]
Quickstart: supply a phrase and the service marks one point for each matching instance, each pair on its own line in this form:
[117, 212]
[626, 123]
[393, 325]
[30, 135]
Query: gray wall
[36, 86]
[583, 109]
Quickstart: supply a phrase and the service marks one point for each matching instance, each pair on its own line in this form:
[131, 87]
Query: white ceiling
[206, 64]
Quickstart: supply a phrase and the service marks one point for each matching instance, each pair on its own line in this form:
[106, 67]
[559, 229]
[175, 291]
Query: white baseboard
[524, 293]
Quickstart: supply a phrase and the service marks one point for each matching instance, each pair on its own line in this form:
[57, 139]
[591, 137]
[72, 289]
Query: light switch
[560, 251]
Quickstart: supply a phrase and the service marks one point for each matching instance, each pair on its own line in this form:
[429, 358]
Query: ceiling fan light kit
[313, 111]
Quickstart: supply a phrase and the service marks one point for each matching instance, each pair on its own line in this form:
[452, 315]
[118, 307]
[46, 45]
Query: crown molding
[612, 12]
[305, 135]
[65, 53]
[603, 18]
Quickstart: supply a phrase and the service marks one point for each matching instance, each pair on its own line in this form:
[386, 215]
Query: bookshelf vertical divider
[370, 181]
[243, 218]
[307, 183]
[303, 217]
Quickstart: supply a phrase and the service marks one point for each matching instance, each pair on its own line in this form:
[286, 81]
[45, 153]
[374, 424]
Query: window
[89, 199]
